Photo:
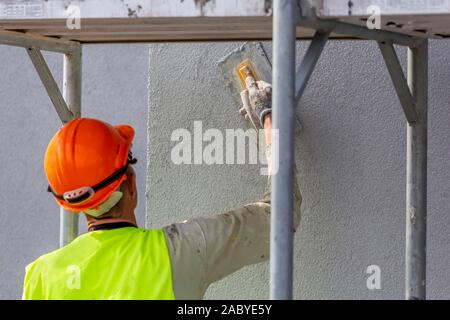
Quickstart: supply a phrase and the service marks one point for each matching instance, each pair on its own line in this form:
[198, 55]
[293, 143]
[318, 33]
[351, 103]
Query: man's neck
[111, 226]
[111, 218]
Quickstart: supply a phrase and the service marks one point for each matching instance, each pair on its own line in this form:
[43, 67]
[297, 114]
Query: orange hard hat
[86, 161]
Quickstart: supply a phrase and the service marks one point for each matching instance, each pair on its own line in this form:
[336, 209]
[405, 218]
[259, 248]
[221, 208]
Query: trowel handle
[249, 80]
[245, 99]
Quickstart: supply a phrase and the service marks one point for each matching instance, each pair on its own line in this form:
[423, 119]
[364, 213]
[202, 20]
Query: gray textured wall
[351, 157]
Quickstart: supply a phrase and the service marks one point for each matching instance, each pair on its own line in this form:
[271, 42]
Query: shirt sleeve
[206, 249]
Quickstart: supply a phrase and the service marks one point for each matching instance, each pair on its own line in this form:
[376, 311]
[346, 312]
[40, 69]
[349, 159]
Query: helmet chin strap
[106, 205]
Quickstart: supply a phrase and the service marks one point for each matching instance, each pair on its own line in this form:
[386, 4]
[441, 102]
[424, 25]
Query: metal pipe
[283, 78]
[50, 84]
[308, 19]
[398, 78]
[416, 176]
[72, 95]
[378, 35]
[27, 40]
[309, 61]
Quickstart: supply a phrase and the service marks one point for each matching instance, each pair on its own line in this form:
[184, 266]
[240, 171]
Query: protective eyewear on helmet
[83, 194]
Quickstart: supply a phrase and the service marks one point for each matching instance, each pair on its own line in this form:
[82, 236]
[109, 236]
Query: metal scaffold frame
[288, 87]
[287, 92]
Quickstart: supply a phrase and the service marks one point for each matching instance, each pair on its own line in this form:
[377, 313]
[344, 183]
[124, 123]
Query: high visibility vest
[124, 263]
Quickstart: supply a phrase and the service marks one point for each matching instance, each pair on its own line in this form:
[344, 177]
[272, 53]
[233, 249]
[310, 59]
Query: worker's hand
[260, 97]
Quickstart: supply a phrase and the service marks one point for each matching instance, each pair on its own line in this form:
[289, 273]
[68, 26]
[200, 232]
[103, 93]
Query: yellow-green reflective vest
[124, 263]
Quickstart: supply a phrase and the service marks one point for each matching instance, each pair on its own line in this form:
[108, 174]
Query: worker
[88, 164]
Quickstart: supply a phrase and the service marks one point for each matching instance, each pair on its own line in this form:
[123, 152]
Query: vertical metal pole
[416, 179]
[72, 95]
[281, 235]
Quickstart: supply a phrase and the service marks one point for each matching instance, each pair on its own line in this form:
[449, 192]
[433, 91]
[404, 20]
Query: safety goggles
[83, 194]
